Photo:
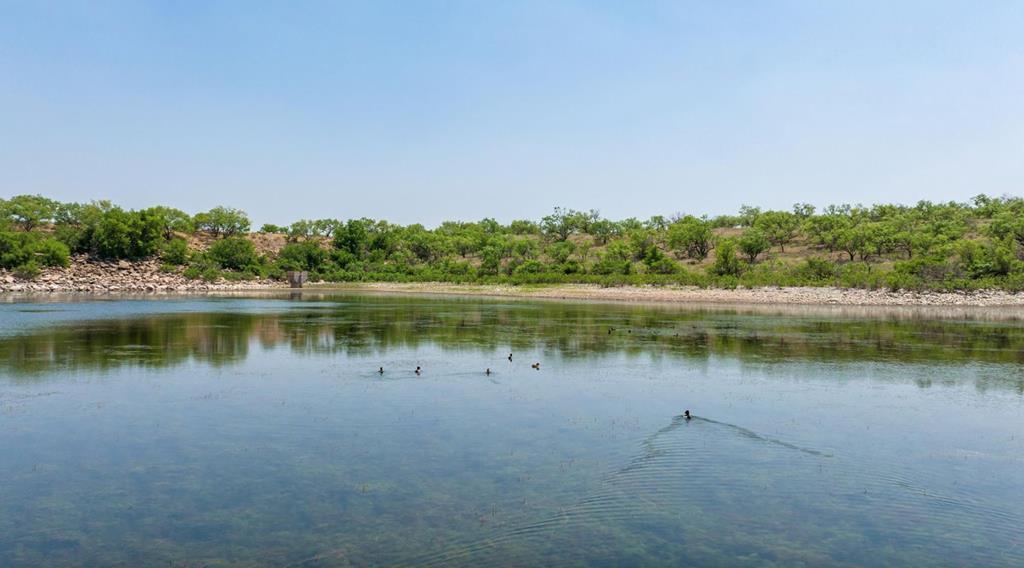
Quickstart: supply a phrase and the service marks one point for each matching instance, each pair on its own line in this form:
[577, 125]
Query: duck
[509, 356]
[417, 369]
[380, 371]
[686, 414]
[536, 366]
[488, 371]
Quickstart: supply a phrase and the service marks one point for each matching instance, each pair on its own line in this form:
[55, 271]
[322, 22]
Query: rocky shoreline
[86, 276]
[106, 277]
[807, 296]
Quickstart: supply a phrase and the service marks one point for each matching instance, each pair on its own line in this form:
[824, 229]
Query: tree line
[928, 245]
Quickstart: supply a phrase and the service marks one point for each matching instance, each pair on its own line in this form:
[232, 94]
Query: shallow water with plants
[257, 431]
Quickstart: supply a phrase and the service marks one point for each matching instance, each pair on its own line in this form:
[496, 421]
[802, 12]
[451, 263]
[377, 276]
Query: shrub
[126, 234]
[726, 263]
[27, 271]
[658, 263]
[15, 248]
[18, 249]
[530, 267]
[306, 255]
[817, 270]
[233, 253]
[175, 252]
[51, 252]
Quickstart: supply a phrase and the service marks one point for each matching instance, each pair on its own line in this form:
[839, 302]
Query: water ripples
[703, 485]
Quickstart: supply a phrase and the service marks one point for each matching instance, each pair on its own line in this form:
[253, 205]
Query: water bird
[509, 356]
[488, 371]
[686, 414]
[417, 369]
[380, 371]
[536, 366]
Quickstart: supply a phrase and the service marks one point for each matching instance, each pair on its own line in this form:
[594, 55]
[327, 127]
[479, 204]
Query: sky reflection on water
[257, 432]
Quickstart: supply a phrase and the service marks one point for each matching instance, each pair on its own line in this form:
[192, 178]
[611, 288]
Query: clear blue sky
[422, 111]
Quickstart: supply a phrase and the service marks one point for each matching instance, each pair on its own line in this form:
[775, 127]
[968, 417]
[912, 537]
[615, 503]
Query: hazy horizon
[417, 112]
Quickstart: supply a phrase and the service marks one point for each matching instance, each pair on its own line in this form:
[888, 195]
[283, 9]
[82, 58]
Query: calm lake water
[257, 431]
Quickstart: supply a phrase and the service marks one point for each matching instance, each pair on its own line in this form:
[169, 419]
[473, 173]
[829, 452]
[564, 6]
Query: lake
[257, 431]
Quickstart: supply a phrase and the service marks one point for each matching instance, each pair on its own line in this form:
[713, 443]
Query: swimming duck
[380, 371]
[686, 414]
[488, 371]
[417, 369]
[509, 356]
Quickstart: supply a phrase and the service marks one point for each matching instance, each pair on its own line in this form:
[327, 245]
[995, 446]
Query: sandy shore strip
[695, 295]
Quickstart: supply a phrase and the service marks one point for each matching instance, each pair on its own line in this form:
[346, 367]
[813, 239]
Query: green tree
[326, 227]
[826, 230]
[490, 259]
[748, 215]
[726, 263]
[616, 259]
[779, 227]
[29, 211]
[562, 223]
[658, 263]
[524, 227]
[171, 220]
[223, 221]
[307, 255]
[603, 230]
[752, 243]
[1007, 224]
[856, 241]
[691, 237]
[803, 211]
[354, 237]
[560, 252]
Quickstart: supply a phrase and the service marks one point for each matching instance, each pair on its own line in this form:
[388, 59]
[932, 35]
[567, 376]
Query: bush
[817, 270]
[530, 267]
[726, 263]
[27, 271]
[51, 252]
[18, 249]
[860, 275]
[175, 252]
[126, 234]
[15, 249]
[306, 255]
[658, 263]
[233, 253]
